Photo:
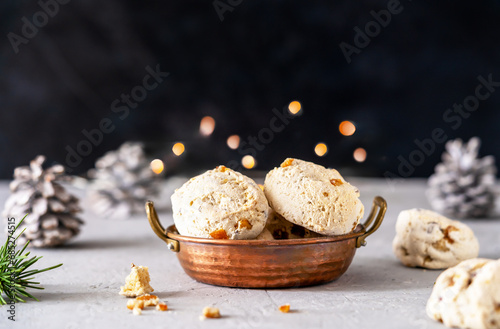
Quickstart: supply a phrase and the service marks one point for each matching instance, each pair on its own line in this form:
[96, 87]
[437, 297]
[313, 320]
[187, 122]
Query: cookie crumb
[161, 306]
[131, 304]
[149, 300]
[285, 308]
[211, 312]
[137, 282]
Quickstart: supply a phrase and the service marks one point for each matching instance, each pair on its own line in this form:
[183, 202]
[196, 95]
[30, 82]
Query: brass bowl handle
[377, 213]
[154, 221]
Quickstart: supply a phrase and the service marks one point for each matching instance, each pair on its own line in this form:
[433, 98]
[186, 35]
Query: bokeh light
[248, 161]
[233, 142]
[294, 107]
[347, 128]
[178, 148]
[359, 154]
[207, 126]
[157, 166]
[321, 149]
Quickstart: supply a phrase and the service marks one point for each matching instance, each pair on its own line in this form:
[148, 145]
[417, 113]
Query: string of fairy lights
[207, 127]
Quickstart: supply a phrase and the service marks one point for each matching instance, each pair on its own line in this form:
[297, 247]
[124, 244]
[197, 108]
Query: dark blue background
[262, 56]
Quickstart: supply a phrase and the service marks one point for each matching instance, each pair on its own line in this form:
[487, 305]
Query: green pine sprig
[15, 275]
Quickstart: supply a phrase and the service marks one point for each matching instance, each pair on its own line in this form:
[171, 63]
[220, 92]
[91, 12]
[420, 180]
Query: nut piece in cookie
[219, 234]
[313, 197]
[426, 239]
[211, 312]
[137, 282]
[467, 295]
[220, 204]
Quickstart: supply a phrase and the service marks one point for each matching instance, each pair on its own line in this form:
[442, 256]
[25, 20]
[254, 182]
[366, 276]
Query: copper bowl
[267, 264]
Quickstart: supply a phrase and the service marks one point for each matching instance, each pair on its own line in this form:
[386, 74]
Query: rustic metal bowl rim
[172, 234]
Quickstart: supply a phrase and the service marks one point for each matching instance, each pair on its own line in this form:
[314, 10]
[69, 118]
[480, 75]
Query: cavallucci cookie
[220, 204]
[468, 295]
[265, 235]
[313, 197]
[427, 239]
[280, 228]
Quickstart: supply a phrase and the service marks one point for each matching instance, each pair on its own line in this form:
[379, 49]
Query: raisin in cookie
[313, 197]
[220, 204]
[426, 239]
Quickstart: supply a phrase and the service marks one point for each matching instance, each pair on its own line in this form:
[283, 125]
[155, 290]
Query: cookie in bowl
[281, 229]
[220, 204]
[265, 235]
[314, 197]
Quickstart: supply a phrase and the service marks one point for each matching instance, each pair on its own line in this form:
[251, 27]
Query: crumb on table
[137, 282]
[149, 300]
[285, 308]
[131, 304]
[161, 306]
[211, 312]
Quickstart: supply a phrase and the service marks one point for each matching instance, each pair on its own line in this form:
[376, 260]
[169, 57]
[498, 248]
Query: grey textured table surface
[375, 292]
